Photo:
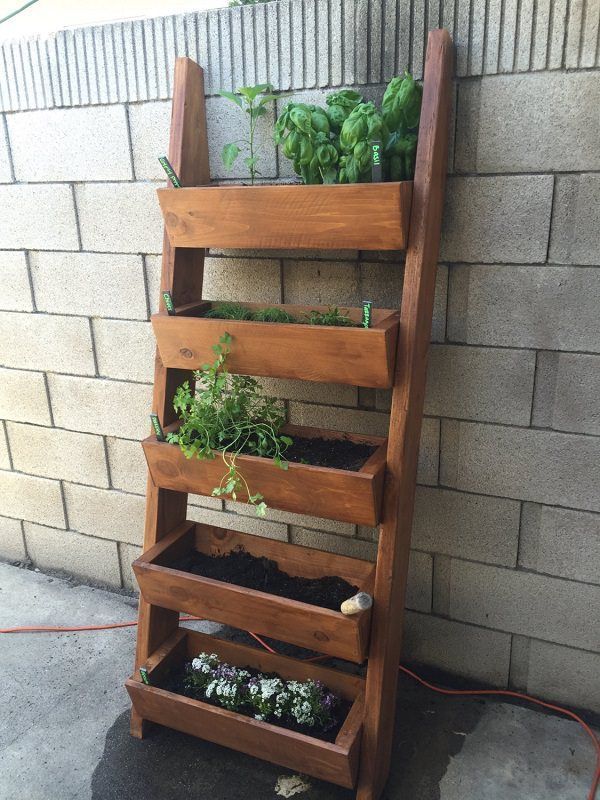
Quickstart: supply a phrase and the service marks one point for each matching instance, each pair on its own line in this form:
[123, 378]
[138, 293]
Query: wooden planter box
[310, 626]
[302, 488]
[363, 216]
[355, 356]
[337, 762]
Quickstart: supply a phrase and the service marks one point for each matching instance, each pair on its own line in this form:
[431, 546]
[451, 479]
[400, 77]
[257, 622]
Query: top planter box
[362, 216]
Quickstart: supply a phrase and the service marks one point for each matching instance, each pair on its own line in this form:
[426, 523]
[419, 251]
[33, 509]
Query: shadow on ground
[170, 766]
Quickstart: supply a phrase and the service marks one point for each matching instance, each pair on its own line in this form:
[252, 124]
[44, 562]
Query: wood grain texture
[301, 488]
[182, 275]
[406, 416]
[335, 762]
[365, 216]
[310, 626]
[355, 356]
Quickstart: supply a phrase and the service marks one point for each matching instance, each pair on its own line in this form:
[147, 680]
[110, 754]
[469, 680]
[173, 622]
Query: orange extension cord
[405, 670]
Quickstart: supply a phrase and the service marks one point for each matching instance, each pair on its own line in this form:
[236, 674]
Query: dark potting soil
[263, 574]
[333, 453]
[174, 681]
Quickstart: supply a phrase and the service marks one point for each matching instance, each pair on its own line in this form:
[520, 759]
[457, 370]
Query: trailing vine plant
[227, 415]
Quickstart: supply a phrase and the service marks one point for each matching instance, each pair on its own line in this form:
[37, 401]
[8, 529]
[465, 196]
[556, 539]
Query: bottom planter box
[335, 762]
[311, 626]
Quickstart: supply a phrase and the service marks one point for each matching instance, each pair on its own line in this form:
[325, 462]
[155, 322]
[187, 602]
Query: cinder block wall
[504, 575]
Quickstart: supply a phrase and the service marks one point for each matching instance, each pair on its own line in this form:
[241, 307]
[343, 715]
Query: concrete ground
[64, 725]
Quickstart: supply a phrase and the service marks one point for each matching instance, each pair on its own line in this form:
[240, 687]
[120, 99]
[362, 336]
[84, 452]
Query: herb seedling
[333, 317]
[228, 416]
[272, 315]
[229, 311]
[253, 100]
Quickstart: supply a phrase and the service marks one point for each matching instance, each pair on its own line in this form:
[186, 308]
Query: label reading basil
[366, 314]
[169, 305]
[157, 427]
[165, 164]
[376, 175]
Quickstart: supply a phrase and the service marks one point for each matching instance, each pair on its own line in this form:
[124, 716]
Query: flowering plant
[264, 697]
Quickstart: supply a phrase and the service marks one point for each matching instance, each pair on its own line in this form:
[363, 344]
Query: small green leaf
[251, 162]
[287, 440]
[252, 92]
[229, 155]
[231, 96]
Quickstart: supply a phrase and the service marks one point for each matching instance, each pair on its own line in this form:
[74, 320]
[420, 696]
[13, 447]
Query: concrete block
[480, 384]
[504, 124]
[33, 499]
[46, 342]
[467, 525]
[322, 282]
[105, 513]
[497, 219]
[254, 280]
[119, 217]
[90, 284]
[299, 520]
[128, 469]
[558, 541]
[16, 290]
[309, 392]
[238, 522]
[114, 408]
[86, 557]
[574, 33]
[419, 582]
[56, 453]
[37, 217]
[540, 36]
[6, 175]
[575, 236]
[12, 543]
[149, 124]
[342, 545]
[152, 268]
[373, 423]
[567, 392]
[127, 555]
[541, 466]
[4, 453]
[125, 350]
[464, 650]
[524, 307]
[71, 144]
[23, 397]
[548, 664]
[557, 35]
[212, 503]
[522, 602]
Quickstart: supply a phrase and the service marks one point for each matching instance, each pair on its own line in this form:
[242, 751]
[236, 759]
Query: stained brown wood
[310, 626]
[356, 356]
[335, 762]
[405, 419]
[302, 488]
[359, 216]
[182, 275]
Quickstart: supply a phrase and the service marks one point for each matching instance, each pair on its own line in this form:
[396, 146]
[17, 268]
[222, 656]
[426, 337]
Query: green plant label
[169, 305]
[144, 676]
[376, 174]
[165, 164]
[157, 427]
[366, 315]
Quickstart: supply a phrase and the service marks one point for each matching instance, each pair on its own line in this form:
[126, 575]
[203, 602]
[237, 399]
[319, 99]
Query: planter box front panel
[310, 626]
[356, 356]
[301, 488]
[335, 762]
[365, 216]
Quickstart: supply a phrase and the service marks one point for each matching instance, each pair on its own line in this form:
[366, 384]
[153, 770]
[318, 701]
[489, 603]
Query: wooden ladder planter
[340, 494]
[335, 762]
[363, 216]
[355, 356]
[163, 584]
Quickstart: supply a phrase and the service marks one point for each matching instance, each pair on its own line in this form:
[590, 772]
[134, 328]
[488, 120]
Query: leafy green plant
[228, 310]
[333, 144]
[273, 315]
[252, 100]
[227, 415]
[333, 316]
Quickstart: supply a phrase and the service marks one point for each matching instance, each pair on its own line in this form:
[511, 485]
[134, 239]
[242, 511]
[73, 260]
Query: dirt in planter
[333, 453]
[263, 574]
[175, 682]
